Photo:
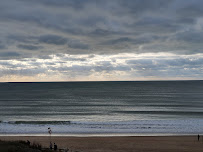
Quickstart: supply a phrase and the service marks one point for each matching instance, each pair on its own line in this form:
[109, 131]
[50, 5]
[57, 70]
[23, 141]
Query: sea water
[102, 108]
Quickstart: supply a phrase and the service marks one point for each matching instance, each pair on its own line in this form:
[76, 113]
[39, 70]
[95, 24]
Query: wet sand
[118, 143]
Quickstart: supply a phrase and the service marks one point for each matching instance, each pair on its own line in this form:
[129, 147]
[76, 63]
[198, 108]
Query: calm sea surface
[174, 107]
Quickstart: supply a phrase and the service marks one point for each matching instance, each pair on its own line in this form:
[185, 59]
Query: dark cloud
[132, 41]
[102, 32]
[72, 59]
[19, 38]
[2, 46]
[119, 40]
[76, 4]
[99, 24]
[77, 45]
[161, 64]
[22, 72]
[156, 25]
[52, 39]
[192, 10]
[28, 47]
[9, 54]
[139, 6]
[193, 37]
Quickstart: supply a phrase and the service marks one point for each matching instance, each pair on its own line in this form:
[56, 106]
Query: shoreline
[102, 135]
[176, 143]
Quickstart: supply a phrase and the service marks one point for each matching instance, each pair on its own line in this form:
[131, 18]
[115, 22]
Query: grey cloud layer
[101, 27]
[52, 37]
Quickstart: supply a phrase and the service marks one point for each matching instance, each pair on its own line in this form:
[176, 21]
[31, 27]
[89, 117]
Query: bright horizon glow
[119, 67]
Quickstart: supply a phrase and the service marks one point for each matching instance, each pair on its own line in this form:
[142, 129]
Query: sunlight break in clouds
[124, 66]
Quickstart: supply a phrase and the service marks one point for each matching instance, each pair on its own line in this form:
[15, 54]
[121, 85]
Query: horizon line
[95, 81]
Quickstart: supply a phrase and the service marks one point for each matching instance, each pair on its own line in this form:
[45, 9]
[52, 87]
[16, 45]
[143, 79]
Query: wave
[163, 112]
[79, 127]
[38, 122]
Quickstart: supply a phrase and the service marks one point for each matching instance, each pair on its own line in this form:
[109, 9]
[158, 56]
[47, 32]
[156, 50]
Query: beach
[118, 143]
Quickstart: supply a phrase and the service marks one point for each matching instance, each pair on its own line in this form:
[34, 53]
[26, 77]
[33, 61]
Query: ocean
[102, 108]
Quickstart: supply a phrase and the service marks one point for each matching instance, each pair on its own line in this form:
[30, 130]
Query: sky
[101, 40]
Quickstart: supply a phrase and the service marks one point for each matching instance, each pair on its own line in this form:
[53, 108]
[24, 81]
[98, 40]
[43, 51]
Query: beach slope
[118, 143]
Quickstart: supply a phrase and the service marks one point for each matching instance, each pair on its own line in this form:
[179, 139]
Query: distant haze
[99, 40]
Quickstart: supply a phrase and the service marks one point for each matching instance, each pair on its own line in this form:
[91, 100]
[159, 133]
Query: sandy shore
[119, 144]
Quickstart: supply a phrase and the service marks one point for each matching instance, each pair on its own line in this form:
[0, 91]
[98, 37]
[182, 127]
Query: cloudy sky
[90, 40]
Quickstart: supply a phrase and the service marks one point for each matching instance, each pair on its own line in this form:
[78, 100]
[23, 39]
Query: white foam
[189, 126]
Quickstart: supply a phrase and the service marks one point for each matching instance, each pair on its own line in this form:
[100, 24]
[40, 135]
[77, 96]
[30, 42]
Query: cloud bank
[100, 40]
